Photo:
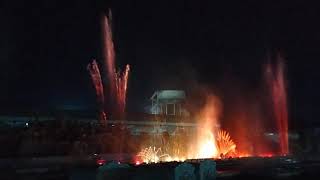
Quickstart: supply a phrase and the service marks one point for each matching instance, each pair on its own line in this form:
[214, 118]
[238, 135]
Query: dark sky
[45, 47]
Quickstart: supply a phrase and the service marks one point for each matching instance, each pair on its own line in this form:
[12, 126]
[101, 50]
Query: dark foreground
[244, 168]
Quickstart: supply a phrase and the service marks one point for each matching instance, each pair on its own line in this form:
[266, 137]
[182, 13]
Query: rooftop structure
[168, 102]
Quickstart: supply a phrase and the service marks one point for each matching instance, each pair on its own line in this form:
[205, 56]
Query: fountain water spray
[121, 86]
[208, 121]
[276, 81]
[225, 143]
[97, 82]
[152, 155]
[108, 52]
[118, 80]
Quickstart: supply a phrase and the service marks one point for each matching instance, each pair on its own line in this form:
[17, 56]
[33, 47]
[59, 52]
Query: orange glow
[225, 143]
[243, 155]
[207, 146]
[266, 155]
[152, 155]
[210, 141]
[208, 118]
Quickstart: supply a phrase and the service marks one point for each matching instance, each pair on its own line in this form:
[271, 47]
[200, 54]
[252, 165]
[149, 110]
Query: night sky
[46, 46]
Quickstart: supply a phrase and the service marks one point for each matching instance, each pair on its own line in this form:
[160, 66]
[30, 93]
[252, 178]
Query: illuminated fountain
[276, 81]
[208, 121]
[97, 82]
[225, 144]
[153, 155]
[118, 80]
[121, 87]
[208, 147]
[108, 52]
[208, 142]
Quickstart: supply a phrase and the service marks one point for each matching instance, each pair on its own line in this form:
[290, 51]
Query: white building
[169, 102]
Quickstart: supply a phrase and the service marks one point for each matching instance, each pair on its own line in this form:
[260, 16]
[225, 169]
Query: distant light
[118, 162]
[112, 125]
[27, 124]
[269, 134]
[101, 162]
[138, 163]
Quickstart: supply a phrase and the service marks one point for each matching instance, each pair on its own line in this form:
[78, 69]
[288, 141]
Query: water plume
[97, 82]
[224, 143]
[277, 83]
[117, 80]
[152, 155]
[208, 125]
[108, 51]
[121, 87]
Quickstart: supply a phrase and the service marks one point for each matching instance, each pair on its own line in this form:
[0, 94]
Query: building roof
[168, 95]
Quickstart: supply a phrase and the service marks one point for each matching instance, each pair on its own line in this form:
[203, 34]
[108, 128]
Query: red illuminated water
[96, 79]
[121, 87]
[276, 81]
[97, 82]
[108, 52]
[117, 80]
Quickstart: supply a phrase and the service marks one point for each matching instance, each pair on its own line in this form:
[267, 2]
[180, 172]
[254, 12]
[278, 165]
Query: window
[170, 109]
